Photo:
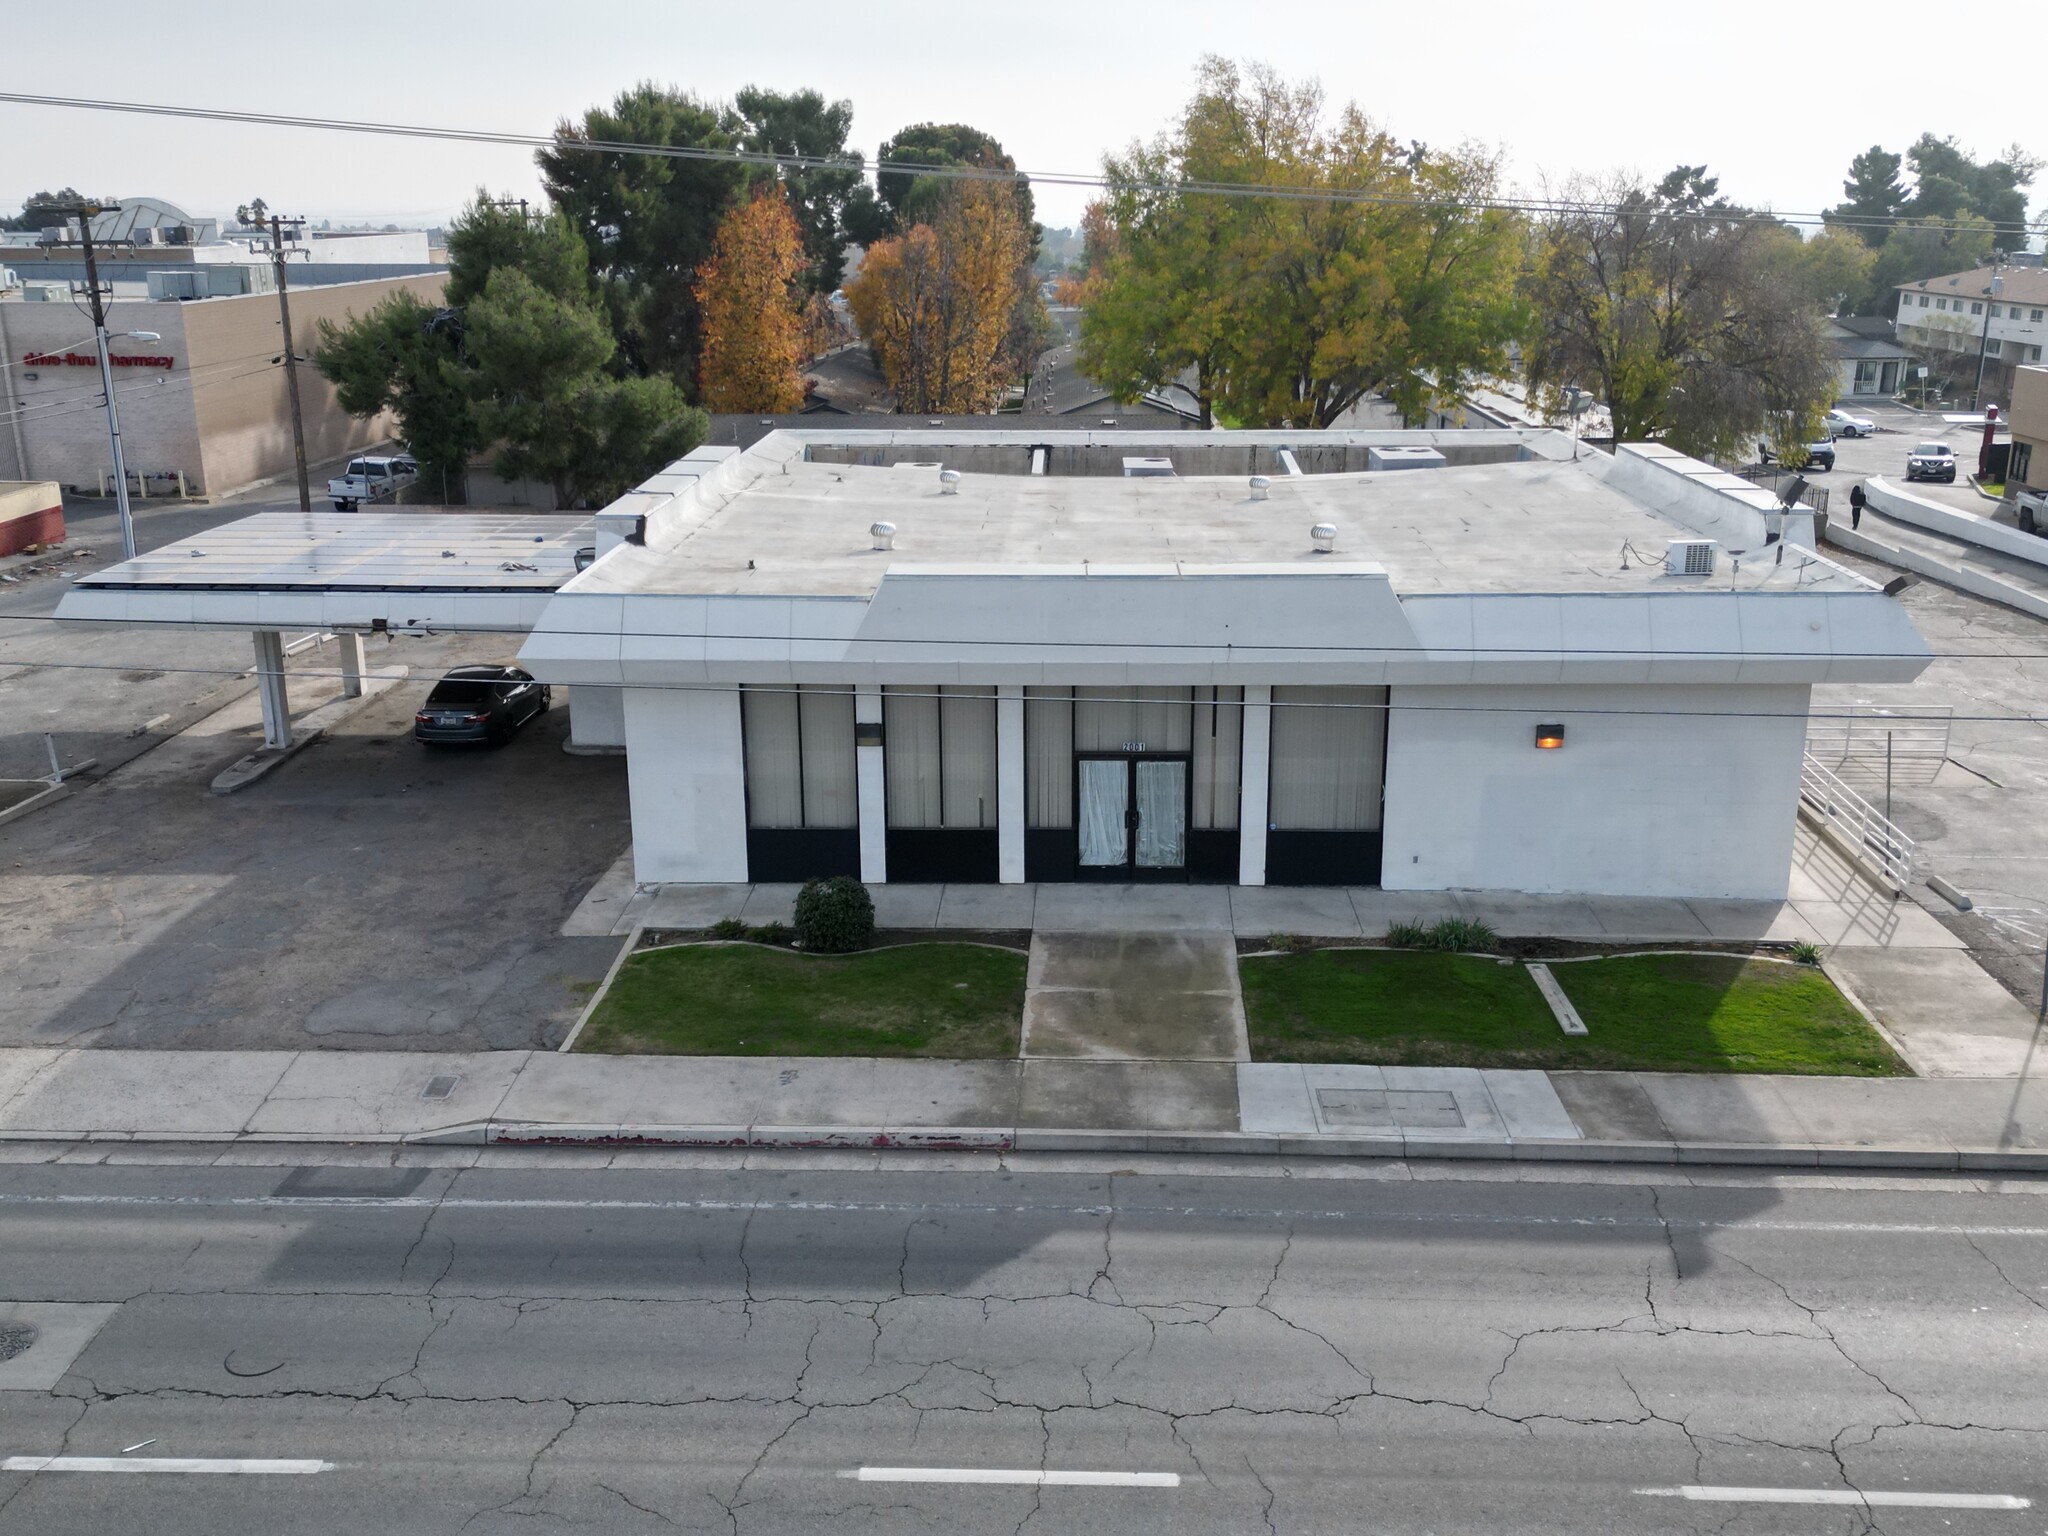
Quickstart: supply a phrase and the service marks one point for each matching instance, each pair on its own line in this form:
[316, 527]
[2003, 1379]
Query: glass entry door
[1105, 812]
[1133, 821]
[1162, 813]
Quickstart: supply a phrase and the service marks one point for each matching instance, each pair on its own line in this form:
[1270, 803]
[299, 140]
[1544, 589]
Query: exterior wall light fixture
[1549, 738]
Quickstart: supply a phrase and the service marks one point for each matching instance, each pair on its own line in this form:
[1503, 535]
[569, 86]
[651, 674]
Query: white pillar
[686, 776]
[871, 787]
[277, 710]
[1252, 796]
[351, 643]
[1010, 783]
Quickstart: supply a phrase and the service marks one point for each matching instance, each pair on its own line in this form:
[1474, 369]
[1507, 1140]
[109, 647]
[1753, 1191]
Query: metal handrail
[1867, 733]
[1859, 822]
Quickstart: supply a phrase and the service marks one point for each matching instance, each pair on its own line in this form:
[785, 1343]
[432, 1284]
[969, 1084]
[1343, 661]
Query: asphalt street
[799, 1347]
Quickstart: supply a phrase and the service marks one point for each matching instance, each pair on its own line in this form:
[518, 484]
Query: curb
[535, 1134]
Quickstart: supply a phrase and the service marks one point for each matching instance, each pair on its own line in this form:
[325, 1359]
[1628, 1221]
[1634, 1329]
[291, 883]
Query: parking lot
[370, 892]
[1898, 430]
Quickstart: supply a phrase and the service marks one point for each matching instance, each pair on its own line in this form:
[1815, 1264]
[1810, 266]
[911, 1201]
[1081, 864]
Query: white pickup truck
[372, 479]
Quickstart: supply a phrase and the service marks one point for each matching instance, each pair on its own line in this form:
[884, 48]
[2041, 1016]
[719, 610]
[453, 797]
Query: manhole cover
[15, 1338]
[1389, 1109]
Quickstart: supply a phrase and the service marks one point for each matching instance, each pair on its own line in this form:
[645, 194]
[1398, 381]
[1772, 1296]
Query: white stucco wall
[1694, 796]
[686, 777]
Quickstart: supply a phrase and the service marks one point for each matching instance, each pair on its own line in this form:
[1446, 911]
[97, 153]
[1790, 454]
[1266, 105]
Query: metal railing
[1772, 477]
[1906, 744]
[1856, 821]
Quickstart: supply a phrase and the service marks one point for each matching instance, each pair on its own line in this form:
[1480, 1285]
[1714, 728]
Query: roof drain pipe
[1287, 462]
[1038, 456]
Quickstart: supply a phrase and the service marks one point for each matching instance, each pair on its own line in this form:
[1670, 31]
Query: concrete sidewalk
[540, 1098]
[1830, 902]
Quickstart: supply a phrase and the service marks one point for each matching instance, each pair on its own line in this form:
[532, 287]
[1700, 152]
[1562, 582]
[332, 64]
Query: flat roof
[443, 551]
[776, 524]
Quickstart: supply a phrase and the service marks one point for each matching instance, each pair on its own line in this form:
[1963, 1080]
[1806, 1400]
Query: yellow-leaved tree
[936, 302]
[753, 323]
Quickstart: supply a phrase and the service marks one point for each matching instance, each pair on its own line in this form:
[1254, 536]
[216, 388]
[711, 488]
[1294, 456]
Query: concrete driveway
[370, 892]
[1981, 819]
[1898, 430]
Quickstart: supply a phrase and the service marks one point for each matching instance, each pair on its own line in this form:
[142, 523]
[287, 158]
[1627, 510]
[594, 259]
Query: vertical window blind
[1049, 757]
[799, 756]
[939, 756]
[1327, 760]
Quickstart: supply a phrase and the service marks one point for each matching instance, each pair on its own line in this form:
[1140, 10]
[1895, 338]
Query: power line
[937, 691]
[574, 142]
[1418, 652]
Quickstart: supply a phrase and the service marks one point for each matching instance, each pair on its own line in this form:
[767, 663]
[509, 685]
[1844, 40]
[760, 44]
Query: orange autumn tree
[935, 303]
[753, 326]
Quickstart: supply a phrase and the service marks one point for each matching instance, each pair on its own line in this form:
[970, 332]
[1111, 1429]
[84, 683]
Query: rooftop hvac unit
[46, 293]
[1689, 557]
[181, 283]
[179, 234]
[1151, 467]
[1402, 456]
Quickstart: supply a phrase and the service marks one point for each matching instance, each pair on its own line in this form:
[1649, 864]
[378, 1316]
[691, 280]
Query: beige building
[2027, 469]
[207, 401]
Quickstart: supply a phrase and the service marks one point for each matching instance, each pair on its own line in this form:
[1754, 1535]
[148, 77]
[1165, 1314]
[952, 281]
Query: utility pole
[86, 213]
[291, 357]
[1984, 340]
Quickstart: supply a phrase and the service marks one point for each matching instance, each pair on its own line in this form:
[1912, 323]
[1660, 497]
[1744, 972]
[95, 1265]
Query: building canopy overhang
[371, 571]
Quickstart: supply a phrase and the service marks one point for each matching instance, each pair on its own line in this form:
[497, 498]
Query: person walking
[1856, 504]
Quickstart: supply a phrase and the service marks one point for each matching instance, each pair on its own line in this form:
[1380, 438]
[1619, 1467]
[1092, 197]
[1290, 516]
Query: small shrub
[835, 916]
[728, 928]
[1446, 933]
[1463, 933]
[772, 933]
[1805, 952]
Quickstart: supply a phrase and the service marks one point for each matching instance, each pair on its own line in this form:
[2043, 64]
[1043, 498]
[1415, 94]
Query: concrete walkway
[1830, 903]
[542, 1098]
[1134, 997]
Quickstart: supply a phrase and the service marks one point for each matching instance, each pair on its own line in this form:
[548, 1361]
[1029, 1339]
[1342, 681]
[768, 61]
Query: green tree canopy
[805, 123]
[1873, 194]
[1685, 314]
[405, 358]
[1291, 308]
[495, 232]
[647, 221]
[522, 360]
[909, 198]
[42, 209]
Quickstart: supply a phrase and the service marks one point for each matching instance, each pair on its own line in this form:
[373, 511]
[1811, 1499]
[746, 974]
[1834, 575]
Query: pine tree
[1875, 194]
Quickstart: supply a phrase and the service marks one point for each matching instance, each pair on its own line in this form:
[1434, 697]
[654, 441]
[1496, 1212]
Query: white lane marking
[1895, 1499]
[977, 1207]
[244, 1465]
[1027, 1476]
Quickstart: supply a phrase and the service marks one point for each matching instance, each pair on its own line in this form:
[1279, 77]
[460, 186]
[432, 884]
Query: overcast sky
[1774, 101]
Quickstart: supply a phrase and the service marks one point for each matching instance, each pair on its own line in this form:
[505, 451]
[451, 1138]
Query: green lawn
[1652, 1013]
[946, 1000]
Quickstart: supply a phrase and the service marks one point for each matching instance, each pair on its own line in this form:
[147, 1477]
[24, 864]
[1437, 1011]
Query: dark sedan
[479, 704]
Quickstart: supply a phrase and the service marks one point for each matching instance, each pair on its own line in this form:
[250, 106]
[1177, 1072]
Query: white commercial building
[1255, 658]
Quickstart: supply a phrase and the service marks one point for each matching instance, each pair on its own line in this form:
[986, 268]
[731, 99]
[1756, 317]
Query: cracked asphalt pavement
[690, 1342]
